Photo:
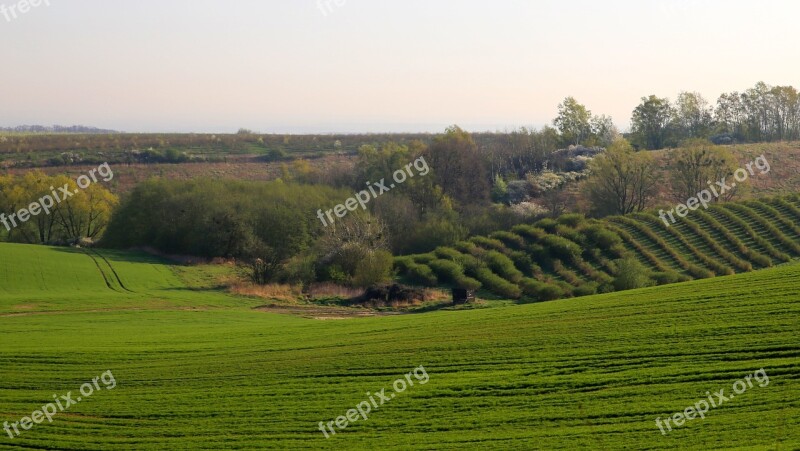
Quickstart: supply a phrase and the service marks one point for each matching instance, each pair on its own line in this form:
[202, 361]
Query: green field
[198, 369]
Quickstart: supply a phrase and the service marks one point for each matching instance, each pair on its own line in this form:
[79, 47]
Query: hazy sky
[377, 65]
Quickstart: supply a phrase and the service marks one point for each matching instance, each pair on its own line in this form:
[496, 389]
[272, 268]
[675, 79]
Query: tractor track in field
[94, 255]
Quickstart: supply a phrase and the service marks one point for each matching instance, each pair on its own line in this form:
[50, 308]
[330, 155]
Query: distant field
[590, 372]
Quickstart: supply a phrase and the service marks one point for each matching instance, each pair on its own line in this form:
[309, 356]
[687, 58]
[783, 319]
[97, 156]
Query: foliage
[631, 274]
[84, 215]
[622, 181]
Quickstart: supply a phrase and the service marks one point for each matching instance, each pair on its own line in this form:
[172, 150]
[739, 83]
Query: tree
[604, 132]
[573, 121]
[622, 181]
[458, 168]
[731, 116]
[650, 122]
[697, 163]
[693, 116]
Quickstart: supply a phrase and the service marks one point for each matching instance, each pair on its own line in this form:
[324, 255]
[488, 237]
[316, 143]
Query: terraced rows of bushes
[575, 256]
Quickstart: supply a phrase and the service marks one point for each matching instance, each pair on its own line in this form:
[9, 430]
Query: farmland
[572, 256]
[198, 368]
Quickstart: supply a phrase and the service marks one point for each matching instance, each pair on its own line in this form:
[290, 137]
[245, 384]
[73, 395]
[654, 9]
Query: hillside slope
[572, 256]
[593, 372]
[41, 279]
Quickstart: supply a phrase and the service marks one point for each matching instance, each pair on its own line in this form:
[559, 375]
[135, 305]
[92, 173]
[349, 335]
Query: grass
[593, 372]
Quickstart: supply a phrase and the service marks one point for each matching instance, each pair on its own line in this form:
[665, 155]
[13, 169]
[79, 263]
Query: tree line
[762, 113]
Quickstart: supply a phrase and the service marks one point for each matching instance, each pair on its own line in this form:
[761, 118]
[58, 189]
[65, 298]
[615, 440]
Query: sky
[349, 66]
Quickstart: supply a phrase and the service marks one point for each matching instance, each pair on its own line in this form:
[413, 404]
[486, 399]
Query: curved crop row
[569, 276]
[769, 227]
[751, 254]
[712, 243]
[654, 261]
[755, 236]
[769, 209]
[497, 284]
[510, 240]
[643, 228]
[716, 268]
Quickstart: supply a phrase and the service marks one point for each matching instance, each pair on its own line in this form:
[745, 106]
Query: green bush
[467, 283]
[447, 270]
[573, 220]
[375, 268]
[668, 277]
[497, 284]
[561, 248]
[541, 291]
[421, 274]
[586, 289]
[488, 243]
[549, 225]
[425, 258]
[570, 234]
[631, 275]
[530, 233]
[600, 237]
[525, 263]
[447, 253]
[503, 266]
[511, 240]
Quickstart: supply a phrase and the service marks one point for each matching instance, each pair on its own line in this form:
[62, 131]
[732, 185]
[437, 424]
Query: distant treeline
[55, 129]
[763, 113]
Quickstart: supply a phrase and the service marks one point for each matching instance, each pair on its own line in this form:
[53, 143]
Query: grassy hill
[573, 256]
[195, 368]
[40, 279]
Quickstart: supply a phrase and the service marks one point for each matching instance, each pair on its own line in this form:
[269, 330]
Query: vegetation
[83, 215]
[493, 367]
[576, 256]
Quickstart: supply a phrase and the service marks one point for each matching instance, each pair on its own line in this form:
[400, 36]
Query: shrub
[375, 268]
[424, 258]
[586, 289]
[467, 283]
[600, 237]
[488, 243]
[570, 234]
[566, 274]
[572, 220]
[524, 263]
[448, 271]
[503, 266]
[530, 233]
[497, 284]
[668, 277]
[561, 248]
[511, 240]
[541, 291]
[421, 274]
[549, 225]
[447, 253]
[631, 274]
